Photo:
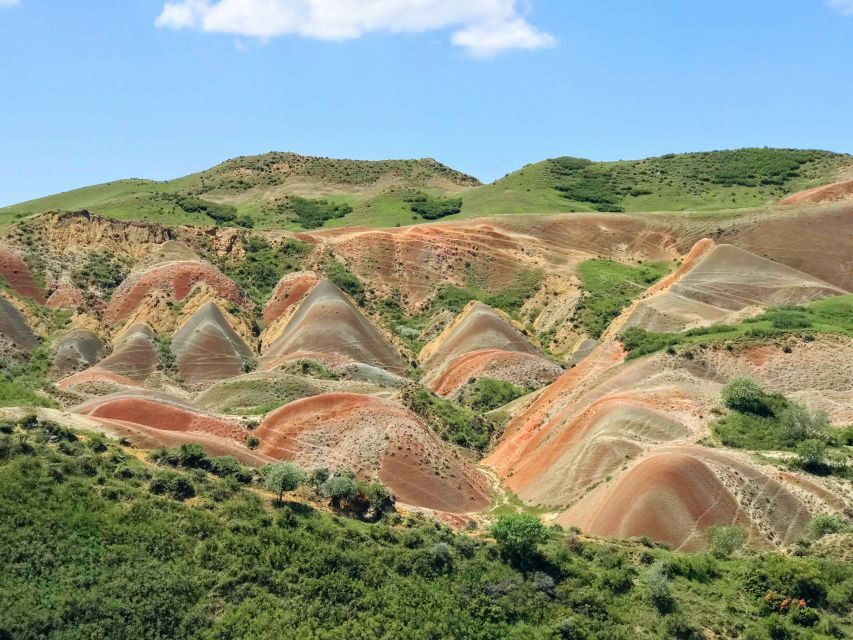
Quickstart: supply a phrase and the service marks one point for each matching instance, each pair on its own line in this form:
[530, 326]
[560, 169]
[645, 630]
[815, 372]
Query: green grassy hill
[694, 181]
[289, 191]
[271, 189]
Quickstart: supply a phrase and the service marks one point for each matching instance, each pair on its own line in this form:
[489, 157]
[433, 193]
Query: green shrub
[344, 279]
[826, 523]
[283, 476]
[173, 485]
[264, 265]
[485, 394]
[102, 272]
[519, 534]
[811, 454]
[724, 540]
[432, 207]
[310, 213]
[339, 488]
[745, 396]
[454, 422]
[659, 587]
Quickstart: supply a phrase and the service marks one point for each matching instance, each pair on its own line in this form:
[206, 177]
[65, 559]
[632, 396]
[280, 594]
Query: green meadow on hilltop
[293, 192]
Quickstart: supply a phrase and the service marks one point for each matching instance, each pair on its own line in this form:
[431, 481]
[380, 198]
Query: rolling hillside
[293, 192]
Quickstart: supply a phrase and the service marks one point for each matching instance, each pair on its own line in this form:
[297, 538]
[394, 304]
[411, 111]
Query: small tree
[283, 476]
[318, 477]
[725, 540]
[798, 424]
[252, 442]
[339, 488]
[742, 394]
[519, 534]
[811, 454]
[659, 588]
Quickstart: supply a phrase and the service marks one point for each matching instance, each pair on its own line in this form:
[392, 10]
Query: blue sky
[97, 89]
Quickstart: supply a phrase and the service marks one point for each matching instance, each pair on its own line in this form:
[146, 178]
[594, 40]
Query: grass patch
[344, 279]
[24, 384]
[831, 315]
[608, 287]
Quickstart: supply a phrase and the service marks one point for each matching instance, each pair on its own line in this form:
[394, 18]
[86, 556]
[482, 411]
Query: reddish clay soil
[377, 439]
[676, 493]
[15, 333]
[834, 192]
[145, 437]
[418, 260]
[159, 411]
[17, 274]
[176, 278]
[208, 349]
[523, 369]
[289, 291]
[478, 327]
[813, 239]
[326, 322]
[66, 296]
[95, 376]
[669, 498]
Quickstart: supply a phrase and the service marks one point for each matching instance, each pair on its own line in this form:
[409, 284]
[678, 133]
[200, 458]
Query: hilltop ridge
[284, 190]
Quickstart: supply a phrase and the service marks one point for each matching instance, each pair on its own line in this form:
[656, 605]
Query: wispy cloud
[483, 28]
[844, 7]
[8, 3]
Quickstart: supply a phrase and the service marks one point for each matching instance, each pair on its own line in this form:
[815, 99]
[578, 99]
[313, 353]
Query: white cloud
[844, 7]
[8, 3]
[482, 27]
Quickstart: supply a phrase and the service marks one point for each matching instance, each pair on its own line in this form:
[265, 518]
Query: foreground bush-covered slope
[88, 551]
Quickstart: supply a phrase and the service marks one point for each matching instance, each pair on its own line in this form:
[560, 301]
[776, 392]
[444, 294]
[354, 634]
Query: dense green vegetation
[105, 545]
[431, 207]
[486, 394]
[830, 315]
[308, 213]
[759, 421]
[23, 383]
[608, 287]
[452, 421]
[344, 279]
[223, 214]
[264, 265]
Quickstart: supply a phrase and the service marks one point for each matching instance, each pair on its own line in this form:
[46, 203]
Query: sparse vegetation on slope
[608, 287]
[831, 315]
[759, 421]
[264, 265]
[106, 545]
